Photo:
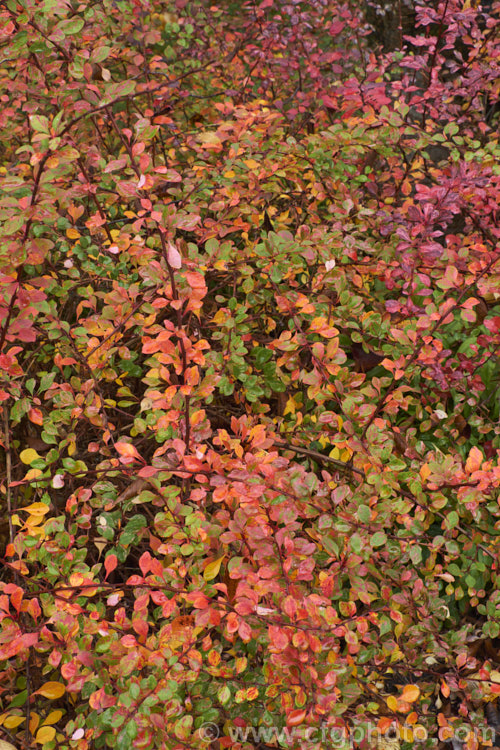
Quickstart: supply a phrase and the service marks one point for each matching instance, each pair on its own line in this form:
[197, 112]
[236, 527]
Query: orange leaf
[411, 693]
[127, 450]
[474, 460]
[384, 724]
[35, 416]
[424, 472]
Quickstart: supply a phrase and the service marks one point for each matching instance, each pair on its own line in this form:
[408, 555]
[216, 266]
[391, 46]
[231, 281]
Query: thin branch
[343, 466]
[8, 465]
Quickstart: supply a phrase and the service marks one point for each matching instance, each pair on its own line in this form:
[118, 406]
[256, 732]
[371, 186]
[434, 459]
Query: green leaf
[39, 123]
[71, 25]
[364, 514]
[378, 539]
[356, 543]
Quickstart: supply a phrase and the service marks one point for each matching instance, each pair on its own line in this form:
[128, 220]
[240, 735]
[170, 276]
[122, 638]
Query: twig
[8, 479]
[341, 465]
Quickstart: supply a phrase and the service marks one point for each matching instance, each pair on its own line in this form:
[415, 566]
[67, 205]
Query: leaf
[392, 702]
[410, 693]
[212, 569]
[296, 717]
[110, 564]
[39, 123]
[474, 460]
[127, 450]
[36, 509]
[28, 456]
[71, 25]
[13, 721]
[116, 91]
[6, 745]
[45, 734]
[173, 256]
[33, 474]
[35, 416]
[209, 139]
[100, 54]
[52, 690]
[52, 718]
[378, 539]
[224, 694]
[182, 727]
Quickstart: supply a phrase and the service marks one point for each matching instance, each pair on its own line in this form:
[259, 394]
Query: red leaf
[295, 717]
[110, 564]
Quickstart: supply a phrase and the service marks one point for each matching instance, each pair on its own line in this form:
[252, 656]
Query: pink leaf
[173, 256]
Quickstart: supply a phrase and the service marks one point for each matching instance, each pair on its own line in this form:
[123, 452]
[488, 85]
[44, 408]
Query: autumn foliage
[249, 389]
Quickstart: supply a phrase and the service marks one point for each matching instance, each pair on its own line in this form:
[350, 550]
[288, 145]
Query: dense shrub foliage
[249, 341]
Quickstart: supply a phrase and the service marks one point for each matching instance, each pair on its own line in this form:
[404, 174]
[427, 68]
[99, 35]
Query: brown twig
[340, 465]
[8, 469]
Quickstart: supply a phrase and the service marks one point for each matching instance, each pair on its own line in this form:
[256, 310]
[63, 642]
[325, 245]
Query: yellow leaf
[388, 743]
[28, 456]
[405, 733]
[392, 702]
[251, 163]
[52, 718]
[36, 509]
[212, 569]
[291, 407]
[52, 690]
[72, 234]
[6, 745]
[411, 693]
[11, 722]
[45, 734]
[71, 447]
[33, 474]
[495, 676]
[209, 139]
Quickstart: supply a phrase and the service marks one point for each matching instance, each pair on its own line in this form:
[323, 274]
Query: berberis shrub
[249, 389]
